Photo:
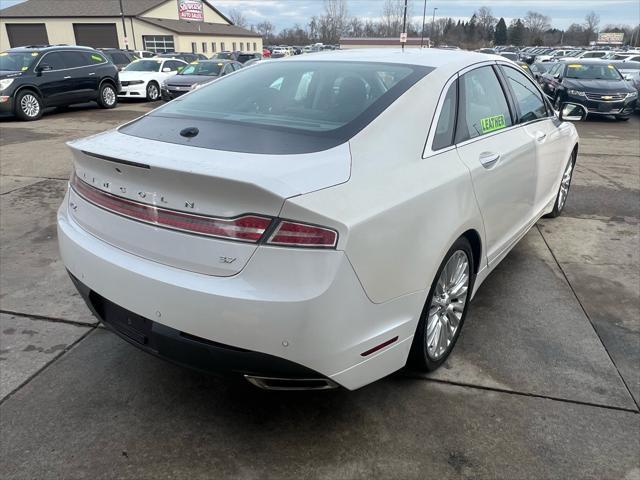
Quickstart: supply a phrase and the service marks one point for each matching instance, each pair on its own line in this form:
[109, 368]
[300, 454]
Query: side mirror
[556, 76]
[166, 69]
[43, 67]
[628, 77]
[572, 112]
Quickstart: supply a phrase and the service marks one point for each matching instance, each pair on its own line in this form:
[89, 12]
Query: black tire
[419, 356]
[107, 96]
[153, 92]
[28, 105]
[560, 203]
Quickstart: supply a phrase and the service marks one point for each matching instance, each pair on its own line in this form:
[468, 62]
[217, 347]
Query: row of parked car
[604, 82]
[33, 78]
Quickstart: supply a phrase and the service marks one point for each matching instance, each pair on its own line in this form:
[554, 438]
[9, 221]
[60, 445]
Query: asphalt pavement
[544, 382]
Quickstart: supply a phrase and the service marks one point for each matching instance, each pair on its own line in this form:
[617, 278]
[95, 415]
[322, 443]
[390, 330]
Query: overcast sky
[285, 13]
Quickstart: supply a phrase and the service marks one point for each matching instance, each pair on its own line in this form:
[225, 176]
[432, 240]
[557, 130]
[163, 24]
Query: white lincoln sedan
[318, 221]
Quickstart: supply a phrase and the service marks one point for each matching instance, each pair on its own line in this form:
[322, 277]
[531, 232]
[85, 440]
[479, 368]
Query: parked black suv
[120, 58]
[35, 77]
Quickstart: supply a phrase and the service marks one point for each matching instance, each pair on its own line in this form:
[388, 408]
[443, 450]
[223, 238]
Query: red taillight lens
[294, 234]
[248, 228]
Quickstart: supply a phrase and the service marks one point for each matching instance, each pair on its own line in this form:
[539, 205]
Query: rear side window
[445, 128]
[527, 96]
[75, 59]
[483, 107]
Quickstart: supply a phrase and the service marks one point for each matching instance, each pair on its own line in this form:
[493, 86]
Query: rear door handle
[67, 78]
[489, 159]
[540, 136]
[92, 73]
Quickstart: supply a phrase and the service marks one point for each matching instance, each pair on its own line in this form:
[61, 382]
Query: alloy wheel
[565, 183]
[152, 92]
[109, 96]
[447, 305]
[30, 105]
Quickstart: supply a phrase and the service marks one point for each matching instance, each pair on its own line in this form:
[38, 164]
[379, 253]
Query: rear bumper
[183, 349]
[300, 306]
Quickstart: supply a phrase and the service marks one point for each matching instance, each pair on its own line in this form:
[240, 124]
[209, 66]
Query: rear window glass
[307, 96]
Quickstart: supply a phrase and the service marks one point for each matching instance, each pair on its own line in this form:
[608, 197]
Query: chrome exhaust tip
[273, 383]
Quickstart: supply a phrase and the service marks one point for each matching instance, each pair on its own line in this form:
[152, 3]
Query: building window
[158, 43]
[255, 47]
[222, 46]
[194, 47]
[213, 47]
[233, 46]
[241, 46]
[204, 47]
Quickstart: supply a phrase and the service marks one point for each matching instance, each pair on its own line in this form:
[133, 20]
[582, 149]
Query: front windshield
[144, 66]
[593, 72]
[304, 95]
[211, 69]
[17, 61]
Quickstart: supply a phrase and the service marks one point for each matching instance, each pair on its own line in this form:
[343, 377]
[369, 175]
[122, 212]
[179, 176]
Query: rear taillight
[247, 228]
[294, 234]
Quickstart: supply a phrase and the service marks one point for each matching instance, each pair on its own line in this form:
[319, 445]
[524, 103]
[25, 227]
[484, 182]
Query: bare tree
[334, 21]
[266, 28]
[392, 17]
[591, 22]
[486, 22]
[355, 27]
[536, 23]
[238, 18]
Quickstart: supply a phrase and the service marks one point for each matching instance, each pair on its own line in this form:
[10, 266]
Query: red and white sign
[191, 10]
[403, 37]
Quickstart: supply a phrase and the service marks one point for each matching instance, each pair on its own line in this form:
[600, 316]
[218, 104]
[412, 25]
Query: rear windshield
[202, 68]
[281, 107]
[311, 96]
[602, 71]
[17, 61]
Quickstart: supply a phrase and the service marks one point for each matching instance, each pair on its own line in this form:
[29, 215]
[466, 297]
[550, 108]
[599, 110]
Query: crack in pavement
[516, 392]
[49, 363]
[584, 310]
[48, 319]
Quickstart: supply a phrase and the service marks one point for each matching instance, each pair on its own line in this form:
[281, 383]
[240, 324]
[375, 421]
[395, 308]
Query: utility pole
[433, 23]
[124, 26]
[403, 36]
[424, 14]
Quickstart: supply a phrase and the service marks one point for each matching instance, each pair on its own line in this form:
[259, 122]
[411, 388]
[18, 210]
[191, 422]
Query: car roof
[42, 48]
[428, 57]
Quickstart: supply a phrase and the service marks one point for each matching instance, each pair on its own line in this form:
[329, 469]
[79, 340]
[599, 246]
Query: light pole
[124, 27]
[404, 25]
[424, 14]
[433, 23]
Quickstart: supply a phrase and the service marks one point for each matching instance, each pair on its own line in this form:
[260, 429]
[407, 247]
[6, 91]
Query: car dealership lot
[544, 382]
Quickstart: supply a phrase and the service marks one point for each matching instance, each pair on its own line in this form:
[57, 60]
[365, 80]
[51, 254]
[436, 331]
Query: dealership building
[155, 25]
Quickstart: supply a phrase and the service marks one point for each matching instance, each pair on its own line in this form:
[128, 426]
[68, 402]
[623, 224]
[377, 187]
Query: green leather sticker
[491, 124]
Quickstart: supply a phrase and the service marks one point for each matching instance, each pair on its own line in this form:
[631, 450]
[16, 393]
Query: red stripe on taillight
[302, 235]
[379, 347]
[248, 228]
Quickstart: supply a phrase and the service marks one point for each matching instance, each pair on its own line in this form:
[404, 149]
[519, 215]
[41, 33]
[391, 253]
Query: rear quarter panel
[399, 213]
